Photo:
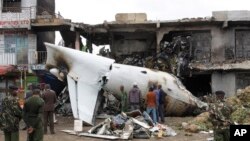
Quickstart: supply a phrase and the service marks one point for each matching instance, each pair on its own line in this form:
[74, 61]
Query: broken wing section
[87, 97]
[86, 75]
[83, 98]
[72, 86]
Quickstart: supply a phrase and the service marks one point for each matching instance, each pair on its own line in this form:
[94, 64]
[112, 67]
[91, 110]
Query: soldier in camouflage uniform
[33, 115]
[220, 117]
[10, 117]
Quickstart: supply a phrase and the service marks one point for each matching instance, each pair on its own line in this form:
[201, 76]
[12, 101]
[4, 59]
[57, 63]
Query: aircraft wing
[86, 74]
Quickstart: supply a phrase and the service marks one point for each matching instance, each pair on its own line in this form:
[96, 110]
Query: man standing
[151, 104]
[220, 113]
[161, 106]
[49, 97]
[134, 97]
[33, 116]
[156, 92]
[10, 117]
[124, 99]
[29, 92]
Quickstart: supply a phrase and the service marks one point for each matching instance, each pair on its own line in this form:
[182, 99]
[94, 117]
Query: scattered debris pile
[111, 104]
[199, 123]
[174, 56]
[128, 126]
[63, 106]
[239, 104]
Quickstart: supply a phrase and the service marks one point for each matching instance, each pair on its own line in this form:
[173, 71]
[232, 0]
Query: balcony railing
[28, 57]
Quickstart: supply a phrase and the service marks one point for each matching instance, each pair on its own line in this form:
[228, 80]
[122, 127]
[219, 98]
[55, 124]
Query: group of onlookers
[154, 101]
[38, 109]
[37, 113]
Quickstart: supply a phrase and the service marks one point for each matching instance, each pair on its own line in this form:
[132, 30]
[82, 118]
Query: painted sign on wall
[16, 24]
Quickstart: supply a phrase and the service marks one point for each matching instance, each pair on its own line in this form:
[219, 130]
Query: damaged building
[209, 54]
[22, 50]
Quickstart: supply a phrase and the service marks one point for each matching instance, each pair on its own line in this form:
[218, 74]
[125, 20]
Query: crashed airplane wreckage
[87, 74]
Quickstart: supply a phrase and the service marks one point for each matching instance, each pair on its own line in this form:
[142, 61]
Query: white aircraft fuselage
[88, 73]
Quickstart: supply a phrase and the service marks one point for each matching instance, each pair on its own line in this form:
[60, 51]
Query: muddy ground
[67, 123]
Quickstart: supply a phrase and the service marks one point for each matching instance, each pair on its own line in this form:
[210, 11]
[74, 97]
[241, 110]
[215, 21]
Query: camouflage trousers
[221, 135]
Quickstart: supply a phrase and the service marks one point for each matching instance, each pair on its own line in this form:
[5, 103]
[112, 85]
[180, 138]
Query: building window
[201, 46]
[242, 44]
[17, 44]
[11, 6]
[10, 43]
[242, 80]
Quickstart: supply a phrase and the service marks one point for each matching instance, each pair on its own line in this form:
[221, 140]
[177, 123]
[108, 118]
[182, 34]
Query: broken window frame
[196, 58]
[242, 51]
[11, 6]
[242, 80]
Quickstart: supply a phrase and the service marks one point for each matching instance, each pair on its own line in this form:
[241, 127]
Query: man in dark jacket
[161, 106]
[49, 97]
[10, 117]
[29, 92]
[33, 116]
[134, 97]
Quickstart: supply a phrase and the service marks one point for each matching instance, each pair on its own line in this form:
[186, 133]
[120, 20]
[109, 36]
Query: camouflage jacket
[220, 115]
[11, 114]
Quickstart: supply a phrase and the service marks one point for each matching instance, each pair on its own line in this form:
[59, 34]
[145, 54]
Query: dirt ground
[67, 123]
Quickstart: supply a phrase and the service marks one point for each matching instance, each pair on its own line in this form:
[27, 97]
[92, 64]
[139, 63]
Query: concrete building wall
[129, 43]
[225, 82]
[223, 44]
[49, 36]
[19, 19]
[241, 15]
[131, 17]
[217, 45]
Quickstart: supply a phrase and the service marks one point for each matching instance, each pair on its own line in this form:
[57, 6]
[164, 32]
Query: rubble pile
[239, 104]
[199, 123]
[128, 126]
[244, 96]
[241, 115]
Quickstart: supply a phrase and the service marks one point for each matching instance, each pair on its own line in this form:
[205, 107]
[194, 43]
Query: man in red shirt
[151, 103]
